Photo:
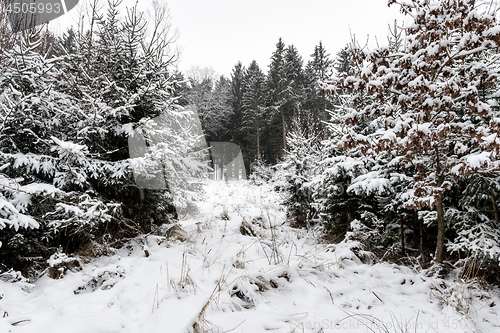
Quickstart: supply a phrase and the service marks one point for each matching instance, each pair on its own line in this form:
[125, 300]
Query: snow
[40, 188]
[23, 221]
[376, 83]
[389, 135]
[433, 50]
[460, 148]
[366, 72]
[371, 182]
[492, 31]
[69, 147]
[59, 258]
[490, 139]
[424, 128]
[281, 280]
[478, 160]
[457, 169]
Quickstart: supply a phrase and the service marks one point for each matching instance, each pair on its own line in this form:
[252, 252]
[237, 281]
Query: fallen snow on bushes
[213, 275]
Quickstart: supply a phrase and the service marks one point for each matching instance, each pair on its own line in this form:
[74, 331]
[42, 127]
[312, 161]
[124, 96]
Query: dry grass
[185, 283]
[374, 324]
[201, 324]
[466, 296]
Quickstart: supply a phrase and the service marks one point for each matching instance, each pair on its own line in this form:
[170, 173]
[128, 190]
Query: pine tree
[221, 110]
[321, 63]
[200, 96]
[31, 113]
[294, 71]
[276, 81]
[473, 214]
[53, 194]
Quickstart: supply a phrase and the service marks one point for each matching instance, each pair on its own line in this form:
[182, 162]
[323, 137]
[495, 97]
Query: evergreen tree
[253, 113]
[237, 89]
[221, 110]
[473, 213]
[212, 101]
[66, 127]
[427, 103]
[67, 43]
[277, 92]
[295, 173]
[50, 196]
[321, 63]
[7, 37]
[294, 77]
[343, 63]
[200, 96]
[318, 69]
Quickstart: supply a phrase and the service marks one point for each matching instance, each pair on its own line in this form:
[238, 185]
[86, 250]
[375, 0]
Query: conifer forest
[349, 190]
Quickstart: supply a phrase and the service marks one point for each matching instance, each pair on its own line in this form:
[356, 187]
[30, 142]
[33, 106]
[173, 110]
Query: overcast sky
[219, 33]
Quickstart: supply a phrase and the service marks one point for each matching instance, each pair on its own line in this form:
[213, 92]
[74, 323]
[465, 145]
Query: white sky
[219, 33]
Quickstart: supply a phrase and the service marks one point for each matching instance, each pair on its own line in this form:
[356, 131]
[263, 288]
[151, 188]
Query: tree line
[396, 148]
[256, 108]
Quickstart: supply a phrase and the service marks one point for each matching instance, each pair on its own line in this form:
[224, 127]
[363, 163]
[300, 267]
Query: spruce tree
[253, 113]
[295, 174]
[277, 91]
[317, 102]
[66, 126]
[237, 89]
[295, 80]
[427, 101]
[343, 63]
[221, 110]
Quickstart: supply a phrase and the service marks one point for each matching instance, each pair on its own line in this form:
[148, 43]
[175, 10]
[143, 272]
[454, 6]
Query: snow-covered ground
[271, 278]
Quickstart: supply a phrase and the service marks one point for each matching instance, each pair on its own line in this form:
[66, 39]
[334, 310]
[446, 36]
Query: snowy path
[278, 280]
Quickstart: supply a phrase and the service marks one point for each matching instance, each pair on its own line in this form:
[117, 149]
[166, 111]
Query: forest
[395, 148]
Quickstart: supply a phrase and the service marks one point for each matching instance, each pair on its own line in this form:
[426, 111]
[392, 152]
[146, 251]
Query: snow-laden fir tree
[43, 177]
[212, 99]
[277, 92]
[427, 99]
[237, 89]
[66, 125]
[473, 217]
[221, 110]
[295, 173]
[337, 195]
[253, 119]
[126, 82]
[318, 69]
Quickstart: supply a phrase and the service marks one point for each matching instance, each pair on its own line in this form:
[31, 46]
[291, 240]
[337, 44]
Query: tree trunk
[402, 227]
[440, 212]
[494, 202]
[421, 224]
[284, 132]
[349, 216]
[441, 230]
[258, 146]
[325, 116]
[92, 22]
